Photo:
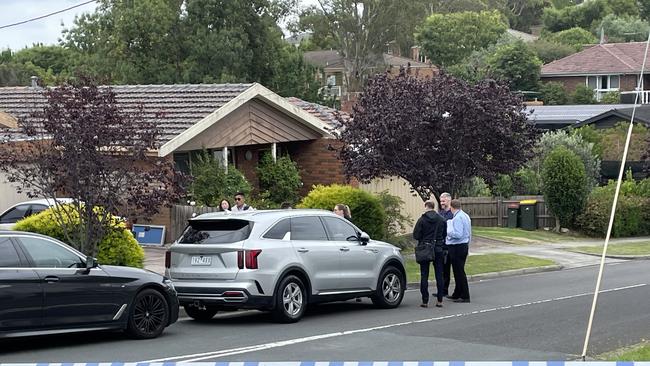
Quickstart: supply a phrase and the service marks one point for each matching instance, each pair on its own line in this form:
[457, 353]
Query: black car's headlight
[167, 282]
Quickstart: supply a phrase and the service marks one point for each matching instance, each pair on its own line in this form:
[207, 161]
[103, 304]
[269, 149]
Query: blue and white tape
[352, 363]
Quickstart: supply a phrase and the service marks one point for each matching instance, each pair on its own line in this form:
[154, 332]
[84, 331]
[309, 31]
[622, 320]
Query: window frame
[344, 221]
[318, 218]
[21, 259]
[32, 263]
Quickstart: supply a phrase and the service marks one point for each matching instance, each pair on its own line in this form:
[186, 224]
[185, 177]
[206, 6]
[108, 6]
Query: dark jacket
[430, 227]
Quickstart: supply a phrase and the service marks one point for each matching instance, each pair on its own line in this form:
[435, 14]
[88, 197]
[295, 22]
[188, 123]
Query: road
[533, 317]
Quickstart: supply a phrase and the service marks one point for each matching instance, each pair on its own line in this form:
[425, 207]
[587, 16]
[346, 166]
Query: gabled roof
[559, 116]
[609, 58]
[181, 111]
[333, 59]
[641, 115]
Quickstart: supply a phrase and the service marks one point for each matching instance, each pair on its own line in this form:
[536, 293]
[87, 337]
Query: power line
[47, 15]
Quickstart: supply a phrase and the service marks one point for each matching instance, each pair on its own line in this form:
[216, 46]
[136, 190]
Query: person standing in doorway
[445, 212]
[240, 203]
[431, 228]
[459, 235]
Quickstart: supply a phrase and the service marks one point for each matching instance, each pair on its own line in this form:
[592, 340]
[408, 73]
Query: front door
[21, 302]
[320, 257]
[358, 262]
[73, 295]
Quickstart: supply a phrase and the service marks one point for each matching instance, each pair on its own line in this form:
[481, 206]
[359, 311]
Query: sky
[47, 30]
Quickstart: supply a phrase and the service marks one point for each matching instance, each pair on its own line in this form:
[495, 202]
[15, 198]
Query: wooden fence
[180, 215]
[493, 212]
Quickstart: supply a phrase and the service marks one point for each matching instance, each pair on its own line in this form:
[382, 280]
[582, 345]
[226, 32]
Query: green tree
[644, 9]
[550, 51]
[583, 95]
[504, 186]
[553, 93]
[448, 39]
[565, 192]
[516, 64]
[475, 67]
[575, 37]
[211, 183]
[55, 58]
[587, 14]
[623, 28]
[527, 181]
[612, 97]
[279, 180]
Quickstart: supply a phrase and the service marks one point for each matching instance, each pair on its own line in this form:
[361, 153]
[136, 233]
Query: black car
[47, 287]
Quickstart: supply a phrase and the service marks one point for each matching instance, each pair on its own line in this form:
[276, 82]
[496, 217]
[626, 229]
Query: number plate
[201, 261]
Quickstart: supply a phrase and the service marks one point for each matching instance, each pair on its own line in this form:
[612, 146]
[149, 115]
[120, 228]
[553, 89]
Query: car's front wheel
[390, 288]
[200, 314]
[290, 300]
[149, 315]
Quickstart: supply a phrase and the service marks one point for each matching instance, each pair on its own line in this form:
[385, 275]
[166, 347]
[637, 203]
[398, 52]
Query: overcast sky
[47, 30]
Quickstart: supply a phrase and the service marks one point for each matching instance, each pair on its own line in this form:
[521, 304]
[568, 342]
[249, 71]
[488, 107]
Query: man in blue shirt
[445, 212]
[459, 235]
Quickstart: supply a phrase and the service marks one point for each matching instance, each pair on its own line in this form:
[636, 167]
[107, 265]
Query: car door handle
[303, 250]
[50, 279]
[344, 249]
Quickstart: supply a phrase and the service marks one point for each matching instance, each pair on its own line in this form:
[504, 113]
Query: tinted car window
[279, 230]
[339, 229]
[307, 228]
[216, 232]
[47, 254]
[15, 214]
[8, 254]
[37, 208]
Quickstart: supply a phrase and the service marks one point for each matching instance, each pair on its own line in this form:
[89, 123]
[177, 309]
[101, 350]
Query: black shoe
[452, 297]
[424, 305]
[461, 300]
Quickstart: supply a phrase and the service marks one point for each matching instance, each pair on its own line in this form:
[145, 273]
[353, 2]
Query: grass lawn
[483, 263]
[520, 236]
[640, 248]
[639, 352]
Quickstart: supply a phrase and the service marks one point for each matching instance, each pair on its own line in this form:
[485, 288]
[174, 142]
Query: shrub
[550, 51]
[396, 221]
[279, 180]
[475, 187]
[527, 182]
[212, 183]
[575, 37]
[504, 186]
[366, 209]
[117, 247]
[565, 189]
[612, 97]
[553, 93]
[583, 95]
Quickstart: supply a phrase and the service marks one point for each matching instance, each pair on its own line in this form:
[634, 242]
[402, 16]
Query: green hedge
[118, 247]
[366, 209]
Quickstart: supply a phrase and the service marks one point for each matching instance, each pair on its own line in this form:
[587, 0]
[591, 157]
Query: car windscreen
[216, 231]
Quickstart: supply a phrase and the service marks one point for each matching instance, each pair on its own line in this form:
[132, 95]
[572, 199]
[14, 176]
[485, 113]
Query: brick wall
[627, 82]
[318, 163]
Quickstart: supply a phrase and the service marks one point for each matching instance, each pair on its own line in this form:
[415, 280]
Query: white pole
[225, 158]
[274, 152]
[614, 204]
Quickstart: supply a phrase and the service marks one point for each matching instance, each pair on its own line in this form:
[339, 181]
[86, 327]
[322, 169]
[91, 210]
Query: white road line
[260, 347]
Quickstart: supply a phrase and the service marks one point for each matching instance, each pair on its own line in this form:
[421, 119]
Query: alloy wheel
[292, 299]
[150, 313]
[391, 287]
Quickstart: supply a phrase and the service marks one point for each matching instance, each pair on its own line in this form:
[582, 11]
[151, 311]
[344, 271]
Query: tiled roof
[326, 114]
[609, 58]
[172, 107]
[333, 59]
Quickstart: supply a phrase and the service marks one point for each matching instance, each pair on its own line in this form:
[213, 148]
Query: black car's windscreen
[216, 231]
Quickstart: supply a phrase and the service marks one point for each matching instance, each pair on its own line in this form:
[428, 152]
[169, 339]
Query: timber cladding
[253, 123]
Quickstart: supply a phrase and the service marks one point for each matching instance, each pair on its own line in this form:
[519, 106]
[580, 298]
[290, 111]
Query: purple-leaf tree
[436, 133]
[82, 145]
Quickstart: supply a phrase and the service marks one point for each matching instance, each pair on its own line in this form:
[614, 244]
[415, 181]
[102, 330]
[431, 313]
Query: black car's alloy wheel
[149, 315]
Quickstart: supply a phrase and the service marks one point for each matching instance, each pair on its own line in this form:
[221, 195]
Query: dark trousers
[424, 276]
[458, 257]
[446, 274]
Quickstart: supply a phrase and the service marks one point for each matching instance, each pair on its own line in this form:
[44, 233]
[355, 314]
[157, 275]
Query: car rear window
[216, 232]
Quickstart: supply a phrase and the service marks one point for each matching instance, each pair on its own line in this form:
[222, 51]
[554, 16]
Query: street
[532, 317]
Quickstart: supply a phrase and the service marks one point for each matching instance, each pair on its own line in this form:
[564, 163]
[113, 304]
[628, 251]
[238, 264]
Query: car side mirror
[364, 238]
[91, 262]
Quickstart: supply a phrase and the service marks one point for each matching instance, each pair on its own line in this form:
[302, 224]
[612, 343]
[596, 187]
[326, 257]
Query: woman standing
[224, 205]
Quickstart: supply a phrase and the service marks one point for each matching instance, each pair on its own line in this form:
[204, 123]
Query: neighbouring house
[553, 117]
[604, 68]
[235, 122]
[332, 66]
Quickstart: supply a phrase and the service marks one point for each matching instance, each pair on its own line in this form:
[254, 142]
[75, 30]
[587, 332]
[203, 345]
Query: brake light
[251, 258]
[168, 259]
[240, 259]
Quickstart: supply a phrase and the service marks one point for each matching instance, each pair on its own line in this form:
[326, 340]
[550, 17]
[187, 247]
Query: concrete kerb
[508, 273]
[616, 256]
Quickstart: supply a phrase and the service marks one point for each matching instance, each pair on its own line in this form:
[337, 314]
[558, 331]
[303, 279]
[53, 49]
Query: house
[238, 123]
[603, 68]
[333, 68]
[553, 117]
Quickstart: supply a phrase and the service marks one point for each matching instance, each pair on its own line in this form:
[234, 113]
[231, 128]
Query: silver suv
[280, 261]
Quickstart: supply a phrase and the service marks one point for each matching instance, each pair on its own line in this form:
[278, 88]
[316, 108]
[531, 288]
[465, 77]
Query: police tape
[352, 363]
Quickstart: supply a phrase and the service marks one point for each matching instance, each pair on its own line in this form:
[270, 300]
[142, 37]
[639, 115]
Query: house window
[603, 84]
[218, 155]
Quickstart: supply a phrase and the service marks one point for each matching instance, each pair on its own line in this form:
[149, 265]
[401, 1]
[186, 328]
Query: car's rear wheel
[149, 315]
[290, 300]
[200, 314]
[390, 288]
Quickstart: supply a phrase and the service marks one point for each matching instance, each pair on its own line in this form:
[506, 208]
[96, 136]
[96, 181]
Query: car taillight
[251, 258]
[240, 259]
[168, 259]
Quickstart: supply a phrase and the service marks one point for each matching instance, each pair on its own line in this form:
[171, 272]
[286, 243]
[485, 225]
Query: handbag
[425, 250]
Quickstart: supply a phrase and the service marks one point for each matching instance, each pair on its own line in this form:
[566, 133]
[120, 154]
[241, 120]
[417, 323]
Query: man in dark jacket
[431, 228]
